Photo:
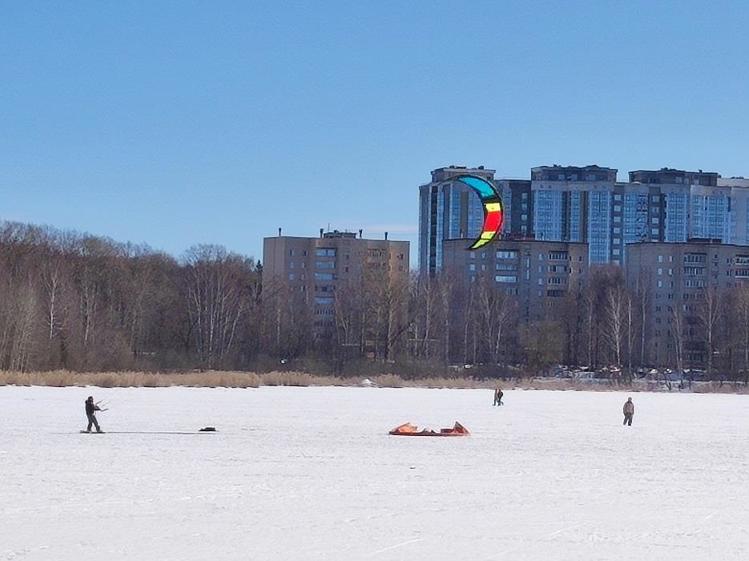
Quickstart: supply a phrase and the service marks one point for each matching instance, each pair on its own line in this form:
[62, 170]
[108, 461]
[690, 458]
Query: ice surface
[310, 474]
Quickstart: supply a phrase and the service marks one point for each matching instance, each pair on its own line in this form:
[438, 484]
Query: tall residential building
[539, 274]
[517, 202]
[739, 208]
[574, 204]
[673, 279]
[692, 205]
[448, 209]
[587, 205]
[311, 270]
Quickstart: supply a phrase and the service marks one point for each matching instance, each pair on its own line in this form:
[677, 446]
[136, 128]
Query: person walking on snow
[91, 409]
[629, 411]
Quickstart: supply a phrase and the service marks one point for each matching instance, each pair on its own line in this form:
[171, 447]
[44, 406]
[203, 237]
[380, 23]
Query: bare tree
[709, 313]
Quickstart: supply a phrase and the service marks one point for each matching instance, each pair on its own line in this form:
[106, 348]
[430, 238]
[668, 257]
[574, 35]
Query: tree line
[80, 302]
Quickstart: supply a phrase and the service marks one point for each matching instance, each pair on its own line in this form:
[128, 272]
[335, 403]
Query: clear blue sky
[176, 123]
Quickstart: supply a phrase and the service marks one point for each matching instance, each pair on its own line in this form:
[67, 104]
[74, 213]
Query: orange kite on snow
[407, 429]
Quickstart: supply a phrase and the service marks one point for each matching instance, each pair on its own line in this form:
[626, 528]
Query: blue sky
[175, 123]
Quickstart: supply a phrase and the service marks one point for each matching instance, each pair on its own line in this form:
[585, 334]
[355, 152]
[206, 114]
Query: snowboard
[91, 432]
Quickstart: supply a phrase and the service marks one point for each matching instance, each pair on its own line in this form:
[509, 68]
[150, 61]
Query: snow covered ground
[310, 474]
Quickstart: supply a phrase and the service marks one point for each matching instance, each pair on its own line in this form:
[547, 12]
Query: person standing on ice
[498, 396]
[629, 411]
[91, 409]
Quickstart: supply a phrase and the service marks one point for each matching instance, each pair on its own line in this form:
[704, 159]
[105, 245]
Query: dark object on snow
[208, 429]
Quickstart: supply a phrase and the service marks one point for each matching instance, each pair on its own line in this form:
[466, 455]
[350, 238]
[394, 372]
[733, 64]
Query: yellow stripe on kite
[493, 207]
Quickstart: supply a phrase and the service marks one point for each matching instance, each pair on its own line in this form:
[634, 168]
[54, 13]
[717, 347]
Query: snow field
[311, 474]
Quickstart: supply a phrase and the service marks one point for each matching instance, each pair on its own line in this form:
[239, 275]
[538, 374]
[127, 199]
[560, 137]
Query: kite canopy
[492, 203]
[407, 429]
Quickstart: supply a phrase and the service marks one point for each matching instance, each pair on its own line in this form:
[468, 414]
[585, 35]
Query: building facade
[677, 281]
[312, 270]
[574, 204]
[537, 274]
[448, 209]
[587, 205]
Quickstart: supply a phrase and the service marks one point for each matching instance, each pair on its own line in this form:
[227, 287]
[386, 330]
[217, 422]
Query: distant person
[498, 396]
[91, 409]
[629, 411]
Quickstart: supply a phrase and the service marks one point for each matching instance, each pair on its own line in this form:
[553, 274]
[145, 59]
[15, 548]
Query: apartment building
[675, 279]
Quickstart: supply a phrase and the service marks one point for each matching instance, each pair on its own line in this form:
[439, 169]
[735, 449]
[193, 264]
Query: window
[660, 259]
[694, 271]
[660, 271]
[472, 266]
[291, 253]
[507, 254]
[505, 267]
[695, 258]
[558, 255]
[325, 252]
[324, 276]
[292, 276]
[324, 300]
[506, 278]
[325, 264]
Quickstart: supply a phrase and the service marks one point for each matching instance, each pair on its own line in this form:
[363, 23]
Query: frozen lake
[310, 474]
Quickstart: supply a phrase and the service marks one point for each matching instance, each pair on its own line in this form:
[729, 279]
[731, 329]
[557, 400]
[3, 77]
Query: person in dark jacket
[629, 412]
[498, 396]
[91, 409]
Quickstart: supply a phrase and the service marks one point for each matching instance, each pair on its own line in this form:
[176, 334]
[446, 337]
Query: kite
[492, 208]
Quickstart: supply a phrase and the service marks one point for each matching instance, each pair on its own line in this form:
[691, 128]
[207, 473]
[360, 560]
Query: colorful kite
[492, 208]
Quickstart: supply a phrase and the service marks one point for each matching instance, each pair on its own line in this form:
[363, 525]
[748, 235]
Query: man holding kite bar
[91, 409]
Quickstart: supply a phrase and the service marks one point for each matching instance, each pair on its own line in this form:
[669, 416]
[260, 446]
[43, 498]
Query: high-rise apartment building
[587, 205]
[674, 281]
[575, 204]
[538, 274]
[692, 205]
[517, 202]
[309, 271]
[448, 209]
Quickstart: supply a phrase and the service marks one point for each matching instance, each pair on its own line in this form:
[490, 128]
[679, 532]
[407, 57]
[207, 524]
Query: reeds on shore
[225, 379]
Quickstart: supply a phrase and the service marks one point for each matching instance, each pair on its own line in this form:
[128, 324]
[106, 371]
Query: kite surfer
[498, 396]
[629, 411]
[91, 409]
